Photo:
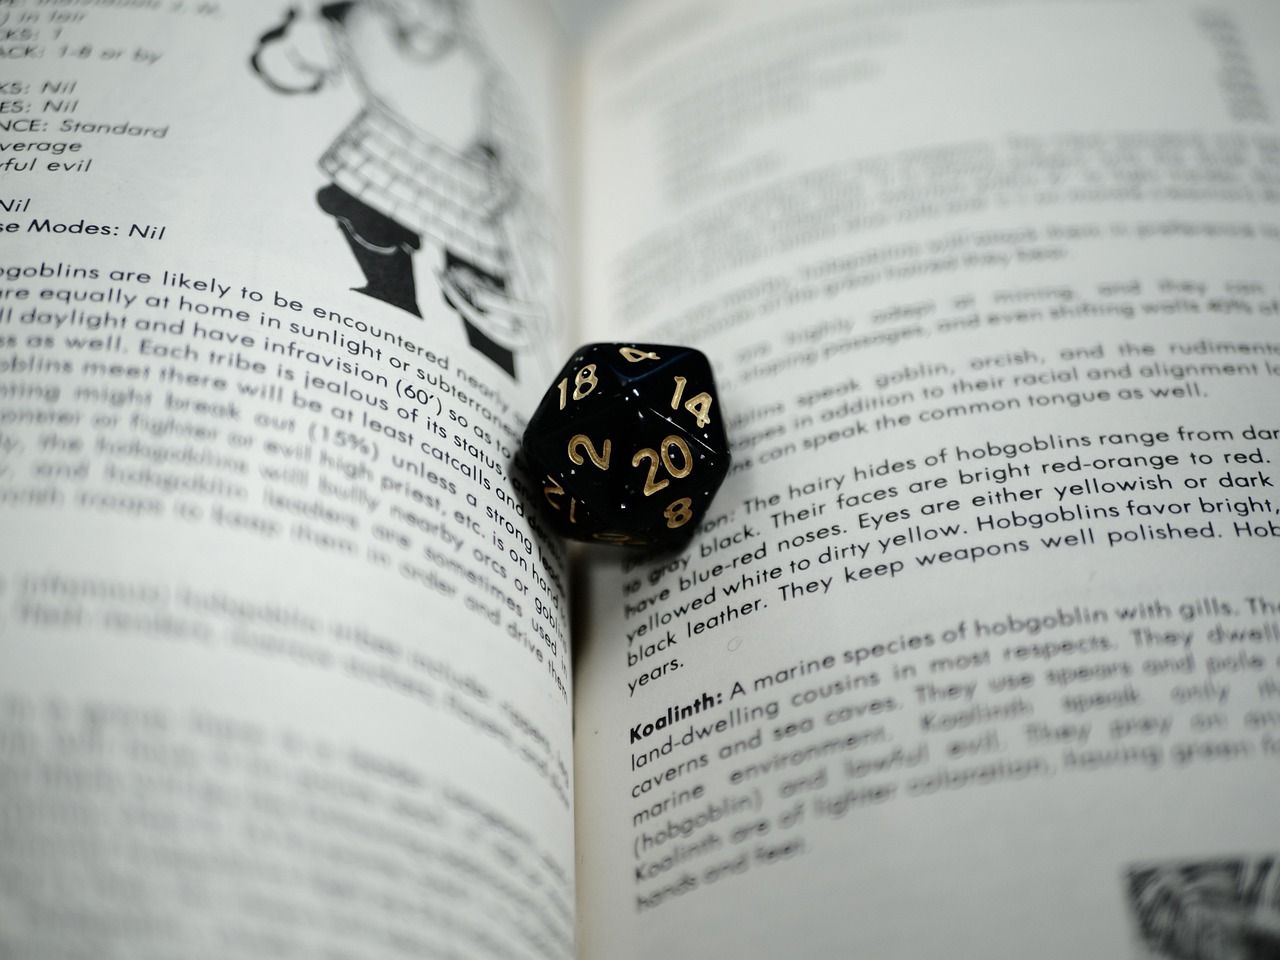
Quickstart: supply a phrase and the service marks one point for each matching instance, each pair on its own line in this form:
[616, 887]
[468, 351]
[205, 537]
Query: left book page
[283, 665]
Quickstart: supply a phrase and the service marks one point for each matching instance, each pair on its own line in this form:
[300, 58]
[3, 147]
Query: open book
[976, 654]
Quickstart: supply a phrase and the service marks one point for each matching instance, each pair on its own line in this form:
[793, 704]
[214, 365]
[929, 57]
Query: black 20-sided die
[628, 445]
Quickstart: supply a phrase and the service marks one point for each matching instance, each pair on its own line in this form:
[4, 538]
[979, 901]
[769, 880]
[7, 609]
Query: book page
[283, 665]
[976, 653]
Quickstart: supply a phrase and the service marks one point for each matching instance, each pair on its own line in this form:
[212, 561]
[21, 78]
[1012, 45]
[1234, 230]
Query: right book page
[976, 654]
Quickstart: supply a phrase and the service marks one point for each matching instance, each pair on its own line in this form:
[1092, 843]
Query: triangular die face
[581, 388]
[584, 454]
[680, 387]
[676, 516]
[566, 513]
[708, 447]
[672, 465]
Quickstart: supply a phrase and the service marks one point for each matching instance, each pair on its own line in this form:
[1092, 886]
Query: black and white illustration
[437, 156]
[1221, 909]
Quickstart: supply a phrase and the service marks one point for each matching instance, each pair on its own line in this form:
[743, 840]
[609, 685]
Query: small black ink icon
[438, 151]
[1224, 909]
